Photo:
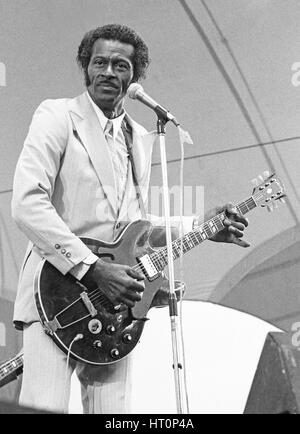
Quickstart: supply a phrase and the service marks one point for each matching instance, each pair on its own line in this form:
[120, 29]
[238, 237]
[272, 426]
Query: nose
[109, 71]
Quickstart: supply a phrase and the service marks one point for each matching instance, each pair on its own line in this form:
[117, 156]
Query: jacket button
[68, 255]
[57, 246]
[63, 251]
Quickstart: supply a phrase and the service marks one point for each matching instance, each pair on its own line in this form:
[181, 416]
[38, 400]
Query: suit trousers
[46, 382]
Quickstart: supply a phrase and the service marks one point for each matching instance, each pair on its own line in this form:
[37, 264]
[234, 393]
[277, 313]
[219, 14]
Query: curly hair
[116, 32]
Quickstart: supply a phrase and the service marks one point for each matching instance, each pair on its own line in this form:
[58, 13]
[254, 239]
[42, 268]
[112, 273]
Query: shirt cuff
[83, 267]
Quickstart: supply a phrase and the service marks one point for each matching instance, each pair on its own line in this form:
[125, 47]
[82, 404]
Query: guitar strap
[127, 132]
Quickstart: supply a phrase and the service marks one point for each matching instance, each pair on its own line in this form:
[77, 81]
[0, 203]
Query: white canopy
[229, 71]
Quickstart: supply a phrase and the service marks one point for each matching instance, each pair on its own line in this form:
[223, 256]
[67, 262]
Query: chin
[104, 99]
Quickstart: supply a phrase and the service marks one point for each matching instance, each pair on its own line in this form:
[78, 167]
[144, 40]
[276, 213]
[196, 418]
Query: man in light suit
[74, 179]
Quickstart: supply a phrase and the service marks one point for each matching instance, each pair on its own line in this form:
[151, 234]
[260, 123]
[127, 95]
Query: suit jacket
[64, 188]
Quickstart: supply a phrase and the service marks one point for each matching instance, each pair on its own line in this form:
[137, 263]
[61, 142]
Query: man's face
[110, 72]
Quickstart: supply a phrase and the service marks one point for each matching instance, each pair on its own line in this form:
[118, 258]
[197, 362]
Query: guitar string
[9, 362]
[159, 255]
[10, 366]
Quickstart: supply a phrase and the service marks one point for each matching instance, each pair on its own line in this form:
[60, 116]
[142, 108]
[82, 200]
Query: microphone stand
[177, 366]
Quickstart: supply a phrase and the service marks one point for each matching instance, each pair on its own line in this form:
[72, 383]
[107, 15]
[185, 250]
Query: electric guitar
[83, 322]
[11, 369]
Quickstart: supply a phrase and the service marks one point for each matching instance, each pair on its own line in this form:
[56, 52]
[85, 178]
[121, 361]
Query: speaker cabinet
[276, 385]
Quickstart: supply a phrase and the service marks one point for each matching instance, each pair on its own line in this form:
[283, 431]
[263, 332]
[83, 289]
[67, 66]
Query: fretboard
[11, 366]
[203, 232]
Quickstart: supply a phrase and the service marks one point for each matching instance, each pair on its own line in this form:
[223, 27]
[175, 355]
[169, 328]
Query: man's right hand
[120, 283]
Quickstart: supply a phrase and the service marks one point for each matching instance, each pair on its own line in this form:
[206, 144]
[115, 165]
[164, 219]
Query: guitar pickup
[148, 267]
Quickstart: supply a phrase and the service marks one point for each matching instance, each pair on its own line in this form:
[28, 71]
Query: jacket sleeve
[33, 186]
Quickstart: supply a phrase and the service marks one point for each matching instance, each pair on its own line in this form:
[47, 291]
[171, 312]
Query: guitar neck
[203, 232]
[11, 366]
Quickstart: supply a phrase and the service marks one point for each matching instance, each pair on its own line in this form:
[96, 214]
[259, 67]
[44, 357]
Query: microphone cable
[184, 137]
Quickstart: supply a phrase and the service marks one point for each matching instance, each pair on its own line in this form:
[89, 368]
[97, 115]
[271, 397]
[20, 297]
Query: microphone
[136, 91]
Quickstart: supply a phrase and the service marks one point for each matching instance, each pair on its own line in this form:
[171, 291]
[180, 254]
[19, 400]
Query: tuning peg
[261, 178]
[270, 207]
[282, 200]
[254, 182]
[266, 174]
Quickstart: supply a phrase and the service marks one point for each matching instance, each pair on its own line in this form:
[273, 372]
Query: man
[74, 179]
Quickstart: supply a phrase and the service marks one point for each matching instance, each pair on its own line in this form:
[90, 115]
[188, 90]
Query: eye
[99, 62]
[122, 66]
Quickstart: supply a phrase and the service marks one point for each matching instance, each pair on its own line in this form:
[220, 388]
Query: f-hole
[106, 255]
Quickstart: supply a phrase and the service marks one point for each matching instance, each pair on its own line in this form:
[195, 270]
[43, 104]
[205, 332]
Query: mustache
[109, 82]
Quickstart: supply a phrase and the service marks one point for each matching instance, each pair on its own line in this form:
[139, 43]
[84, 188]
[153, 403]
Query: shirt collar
[117, 122]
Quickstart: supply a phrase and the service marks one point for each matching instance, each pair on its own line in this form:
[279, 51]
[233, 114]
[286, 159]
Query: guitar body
[106, 335]
[84, 323]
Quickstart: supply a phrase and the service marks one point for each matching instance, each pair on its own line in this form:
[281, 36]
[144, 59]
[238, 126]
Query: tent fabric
[228, 70]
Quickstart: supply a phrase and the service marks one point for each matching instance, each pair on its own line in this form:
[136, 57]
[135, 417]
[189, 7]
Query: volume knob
[110, 329]
[97, 344]
[114, 353]
[127, 338]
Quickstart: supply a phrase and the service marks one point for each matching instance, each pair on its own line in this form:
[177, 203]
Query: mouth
[108, 85]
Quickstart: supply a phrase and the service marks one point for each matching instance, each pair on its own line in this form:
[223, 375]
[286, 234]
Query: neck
[111, 114]
[205, 231]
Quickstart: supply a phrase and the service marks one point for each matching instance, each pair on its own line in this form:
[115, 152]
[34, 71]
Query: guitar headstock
[268, 191]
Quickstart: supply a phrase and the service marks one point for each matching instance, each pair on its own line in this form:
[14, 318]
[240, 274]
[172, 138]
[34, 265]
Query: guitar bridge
[149, 268]
[88, 304]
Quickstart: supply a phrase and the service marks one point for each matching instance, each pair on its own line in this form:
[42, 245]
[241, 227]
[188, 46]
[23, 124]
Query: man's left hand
[234, 223]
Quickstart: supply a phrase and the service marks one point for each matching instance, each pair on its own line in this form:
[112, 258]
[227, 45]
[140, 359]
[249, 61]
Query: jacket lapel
[88, 130]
